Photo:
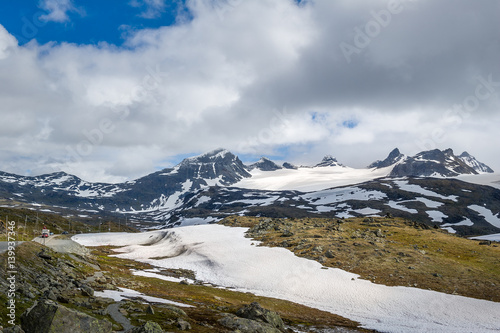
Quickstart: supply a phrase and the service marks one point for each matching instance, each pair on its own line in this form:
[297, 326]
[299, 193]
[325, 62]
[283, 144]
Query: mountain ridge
[207, 186]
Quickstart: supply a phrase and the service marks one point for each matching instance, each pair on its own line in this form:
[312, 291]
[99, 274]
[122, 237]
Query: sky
[114, 90]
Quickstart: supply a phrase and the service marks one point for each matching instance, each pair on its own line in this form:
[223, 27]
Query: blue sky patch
[88, 22]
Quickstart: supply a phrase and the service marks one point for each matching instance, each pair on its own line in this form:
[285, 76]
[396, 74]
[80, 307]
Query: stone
[42, 254]
[86, 290]
[150, 310]
[318, 248]
[244, 325]
[13, 329]
[330, 254]
[50, 295]
[287, 233]
[379, 233]
[256, 312]
[183, 325]
[148, 327]
[174, 309]
[48, 316]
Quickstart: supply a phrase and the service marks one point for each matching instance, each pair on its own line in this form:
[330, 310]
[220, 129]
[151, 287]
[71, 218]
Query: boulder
[330, 254]
[150, 310]
[13, 329]
[243, 325]
[148, 327]
[86, 290]
[183, 325]
[256, 312]
[48, 316]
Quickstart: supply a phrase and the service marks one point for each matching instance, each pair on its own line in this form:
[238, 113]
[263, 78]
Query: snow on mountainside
[475, 164]
[63, 183]
[328, 161]
[216, 184]
[264, 164]
[309, 178]
[394, 157]
[437, 163]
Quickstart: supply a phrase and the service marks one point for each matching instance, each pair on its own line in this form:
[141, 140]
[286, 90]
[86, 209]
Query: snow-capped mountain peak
[474, 163]
[327, 161]
[264, 164]
[213, 156]
[394, 157]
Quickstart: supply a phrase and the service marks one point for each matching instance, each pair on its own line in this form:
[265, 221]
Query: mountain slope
[264, 164]
[471, 161]
[328, 161]
[394, 157]
[434, 163]
[210, 186]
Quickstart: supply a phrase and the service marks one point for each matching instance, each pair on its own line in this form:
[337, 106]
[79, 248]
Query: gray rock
[379, 233]
[148, 327]
[330, 254]
[86, 290]
[13, 329]
[174, 309]
[150, 310]
[244, 325]
[183, 325]
[254, 311]
[48, 316]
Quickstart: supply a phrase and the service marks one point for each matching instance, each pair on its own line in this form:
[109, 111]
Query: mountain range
[213, 185]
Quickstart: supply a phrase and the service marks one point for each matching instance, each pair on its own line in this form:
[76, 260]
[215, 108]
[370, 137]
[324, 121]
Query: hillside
[72, 283]
[29, 223]
[389, 251]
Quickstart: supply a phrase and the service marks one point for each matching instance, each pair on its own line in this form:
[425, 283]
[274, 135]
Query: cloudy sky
[114, 90]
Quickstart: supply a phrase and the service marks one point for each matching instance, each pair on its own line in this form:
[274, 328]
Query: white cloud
[57, 10]
[7, 43]
[249, 77]
[152, 8]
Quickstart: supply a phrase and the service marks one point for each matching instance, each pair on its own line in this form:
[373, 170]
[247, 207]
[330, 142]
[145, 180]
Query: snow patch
[492, 219]
[124, 293]
[223, 256]
[403, 185]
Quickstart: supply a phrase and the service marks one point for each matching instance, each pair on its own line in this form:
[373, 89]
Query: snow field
[223, 256]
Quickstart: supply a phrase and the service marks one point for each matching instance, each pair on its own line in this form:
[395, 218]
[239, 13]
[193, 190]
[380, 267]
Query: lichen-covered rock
[245, 325]
[256, 312]
[183, 325]
[47, 316]
[13, 329]
[149, 327]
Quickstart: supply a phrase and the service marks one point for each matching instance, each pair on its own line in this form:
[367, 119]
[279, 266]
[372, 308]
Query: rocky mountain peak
[327, 161]
[394, 157]
[433, 163]
[217, 155]
[288, 165]
[264, 164]
[474, 163]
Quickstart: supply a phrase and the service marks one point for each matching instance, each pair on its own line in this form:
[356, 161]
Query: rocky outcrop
[48, 316]
[253, 318]
[394, 157]
[254, 311]
[264, 164]
[288, 165]
[149, 327]
[328, 161]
